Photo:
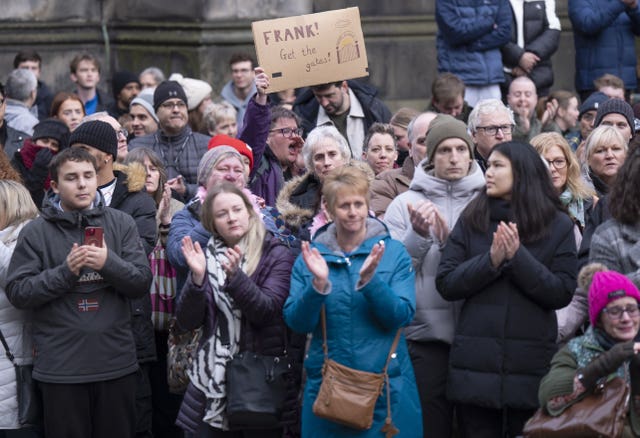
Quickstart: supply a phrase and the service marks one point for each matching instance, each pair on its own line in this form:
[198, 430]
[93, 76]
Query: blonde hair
[345, 177]
[251, 243]
[603, 135]
[216, 113]
[575, 182]
[16, 204]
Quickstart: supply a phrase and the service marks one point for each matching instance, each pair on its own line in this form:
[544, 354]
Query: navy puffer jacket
[470, 34]
[604, 36]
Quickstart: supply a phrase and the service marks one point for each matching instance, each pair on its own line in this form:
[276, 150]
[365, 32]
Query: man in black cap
[79, 294]
[123, 190]
[586, 118]
[179, 147]
[618, 113]
[126, 87]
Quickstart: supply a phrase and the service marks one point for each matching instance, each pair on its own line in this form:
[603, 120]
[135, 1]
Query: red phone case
[93, 236]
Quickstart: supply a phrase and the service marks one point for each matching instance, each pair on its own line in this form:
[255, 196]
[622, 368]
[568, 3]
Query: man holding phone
[85, 354]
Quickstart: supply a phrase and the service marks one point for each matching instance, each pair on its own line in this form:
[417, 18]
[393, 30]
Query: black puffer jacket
[541, 32]
[130, 197]
[506, 334]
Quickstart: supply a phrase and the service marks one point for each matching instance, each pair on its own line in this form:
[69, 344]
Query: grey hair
[487, 106]
[20, 83]
[412, 123]
[317, 135]
[157, 74]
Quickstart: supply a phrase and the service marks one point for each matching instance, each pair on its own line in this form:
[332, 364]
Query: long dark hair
[624, 201]
[534, 201]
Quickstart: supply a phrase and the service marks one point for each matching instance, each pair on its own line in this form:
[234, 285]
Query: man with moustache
[179, 147]
[144, 120]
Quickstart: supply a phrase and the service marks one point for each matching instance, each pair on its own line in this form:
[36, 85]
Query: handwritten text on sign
[311, 49]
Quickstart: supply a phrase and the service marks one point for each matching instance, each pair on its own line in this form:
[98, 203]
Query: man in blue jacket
[470, 34]
[604, 34]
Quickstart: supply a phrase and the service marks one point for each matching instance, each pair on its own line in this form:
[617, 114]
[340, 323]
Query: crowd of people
[495, 230]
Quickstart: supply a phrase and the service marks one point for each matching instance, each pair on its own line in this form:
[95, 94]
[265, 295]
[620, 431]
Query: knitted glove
[605, 364]
[40, 168]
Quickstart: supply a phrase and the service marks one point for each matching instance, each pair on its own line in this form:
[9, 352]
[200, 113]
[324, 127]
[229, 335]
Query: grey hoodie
[435, 318]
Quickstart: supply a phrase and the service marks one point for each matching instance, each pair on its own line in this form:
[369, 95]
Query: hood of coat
[135, 175]
[326, 238]
[294, 215]
[431, 186]
[79, 219]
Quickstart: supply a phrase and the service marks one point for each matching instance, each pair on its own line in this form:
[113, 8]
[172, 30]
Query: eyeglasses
[288, 132]
[170, 105]
[493, 130]
[558, 163]
[616, 312]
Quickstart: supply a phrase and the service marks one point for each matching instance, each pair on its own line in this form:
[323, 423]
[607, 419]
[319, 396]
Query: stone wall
[196, 38]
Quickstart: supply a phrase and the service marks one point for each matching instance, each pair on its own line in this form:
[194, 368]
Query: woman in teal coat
[365, 280]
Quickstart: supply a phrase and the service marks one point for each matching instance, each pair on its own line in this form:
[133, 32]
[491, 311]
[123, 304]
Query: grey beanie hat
[616, 106]
[210, 158]
[442, 128]
[145, 100]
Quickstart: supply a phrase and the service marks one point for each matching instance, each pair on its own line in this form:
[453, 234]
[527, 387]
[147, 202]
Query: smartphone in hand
[93, 236]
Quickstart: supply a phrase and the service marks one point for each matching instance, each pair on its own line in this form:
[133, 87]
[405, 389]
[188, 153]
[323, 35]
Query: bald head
[417, 133]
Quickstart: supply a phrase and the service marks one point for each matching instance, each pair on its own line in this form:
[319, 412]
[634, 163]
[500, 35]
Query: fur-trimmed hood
[305, 188]
[135, 174]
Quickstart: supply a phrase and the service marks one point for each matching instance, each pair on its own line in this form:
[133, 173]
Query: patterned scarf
[208, 373]
[574, 205]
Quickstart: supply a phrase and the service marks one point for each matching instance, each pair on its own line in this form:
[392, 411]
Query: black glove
[606, 364]
[40, 168]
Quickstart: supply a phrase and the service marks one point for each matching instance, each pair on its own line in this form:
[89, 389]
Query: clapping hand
[194, 256]
[234, 256]
[420, 217]
[510, 238]
[317, 265]
[371, 263]
[165, 206]
[506, 242]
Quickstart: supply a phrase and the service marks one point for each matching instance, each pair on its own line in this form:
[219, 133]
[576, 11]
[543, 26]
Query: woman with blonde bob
[16, 210]
[236, 289]
[364, 280]
[605, 152]
[573, 190]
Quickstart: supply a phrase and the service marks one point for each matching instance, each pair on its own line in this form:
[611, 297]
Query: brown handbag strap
[325, 347]
[389, 428]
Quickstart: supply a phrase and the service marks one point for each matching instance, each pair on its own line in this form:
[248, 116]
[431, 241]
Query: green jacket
[564, 365]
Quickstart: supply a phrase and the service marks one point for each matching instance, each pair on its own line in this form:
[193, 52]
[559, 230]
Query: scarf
[208, 372]
[574, 205]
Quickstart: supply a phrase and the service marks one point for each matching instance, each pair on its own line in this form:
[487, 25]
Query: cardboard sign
[311, 49]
